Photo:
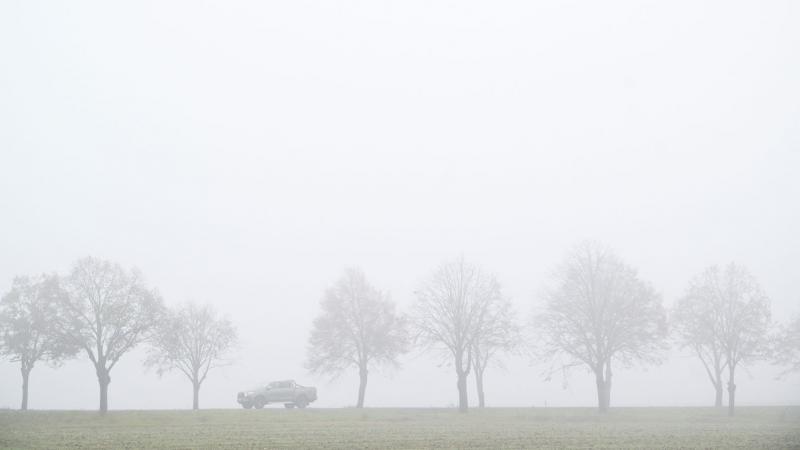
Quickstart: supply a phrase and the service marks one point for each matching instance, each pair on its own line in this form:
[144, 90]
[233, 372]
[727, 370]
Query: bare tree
[498, 333]
[358, 327]
[107, 312]
[787, 351]
[27, 337]
[193, 340]
[741, 317]
[599, 312]
[697, 321]
[450, 312]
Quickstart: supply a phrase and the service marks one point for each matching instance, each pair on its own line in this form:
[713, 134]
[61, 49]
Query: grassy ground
[753, 427]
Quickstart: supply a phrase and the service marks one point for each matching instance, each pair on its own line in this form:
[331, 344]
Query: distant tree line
[596, 313]
[104, 311]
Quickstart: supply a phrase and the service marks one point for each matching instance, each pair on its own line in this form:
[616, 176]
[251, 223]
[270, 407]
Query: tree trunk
[479, 385]
[603, 382]
[602, 406]
[718, 399]
[103, 379]
[731, 390]
[195, 395]
[362, 386]
[463, 401]
[26, 372]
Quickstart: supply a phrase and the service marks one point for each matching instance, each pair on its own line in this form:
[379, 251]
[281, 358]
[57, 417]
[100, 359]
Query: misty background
[243, 154]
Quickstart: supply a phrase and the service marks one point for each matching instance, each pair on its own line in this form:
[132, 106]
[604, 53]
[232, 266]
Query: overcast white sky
[243, 153]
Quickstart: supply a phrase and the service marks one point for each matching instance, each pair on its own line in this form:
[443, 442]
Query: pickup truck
[287, 392]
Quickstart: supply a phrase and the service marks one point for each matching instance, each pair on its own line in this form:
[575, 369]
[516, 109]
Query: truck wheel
[288, 405]
[247, 405]
[301, 402]
[259, 403]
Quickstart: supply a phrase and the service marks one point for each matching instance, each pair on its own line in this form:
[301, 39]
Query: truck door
[284, 392]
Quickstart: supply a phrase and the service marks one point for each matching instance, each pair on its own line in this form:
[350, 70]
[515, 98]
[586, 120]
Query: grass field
[753, 427]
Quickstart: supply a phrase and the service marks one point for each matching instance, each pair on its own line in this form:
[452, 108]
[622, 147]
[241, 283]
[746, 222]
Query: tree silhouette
[192, 340]
[599, 312]
[736, 311]
[26, 331]
[357, 327]
[452, 310]
[107, 312]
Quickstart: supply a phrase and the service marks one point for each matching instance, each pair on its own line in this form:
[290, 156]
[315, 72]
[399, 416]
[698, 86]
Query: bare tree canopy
[599, 312]
[357, 327]
[26, 332]
[450, 312]
[107, 312]
[787, 351]
[193, 340]
[738, 314]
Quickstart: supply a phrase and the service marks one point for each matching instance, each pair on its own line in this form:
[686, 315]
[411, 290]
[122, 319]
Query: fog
[243, 154]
